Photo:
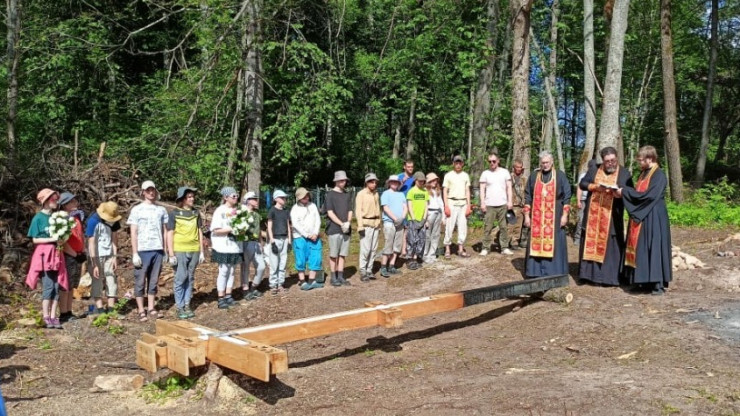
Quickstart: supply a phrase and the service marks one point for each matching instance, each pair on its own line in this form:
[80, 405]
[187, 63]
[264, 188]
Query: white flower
[250, 219]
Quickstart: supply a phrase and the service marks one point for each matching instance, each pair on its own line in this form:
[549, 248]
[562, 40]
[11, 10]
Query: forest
[261, 93]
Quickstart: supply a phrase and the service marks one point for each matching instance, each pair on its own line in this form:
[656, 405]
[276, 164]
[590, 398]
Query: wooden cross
[181, 345]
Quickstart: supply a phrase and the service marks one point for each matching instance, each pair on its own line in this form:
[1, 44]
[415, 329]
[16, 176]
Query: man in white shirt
[496, 198]
[456, 193]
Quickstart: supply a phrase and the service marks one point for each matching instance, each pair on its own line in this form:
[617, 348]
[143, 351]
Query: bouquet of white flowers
[241, 222]
[60, 226]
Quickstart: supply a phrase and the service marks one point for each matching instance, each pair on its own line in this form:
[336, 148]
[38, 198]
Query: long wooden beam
[180, 345]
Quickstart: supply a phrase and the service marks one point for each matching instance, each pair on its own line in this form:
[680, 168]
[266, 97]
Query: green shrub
[712, 206]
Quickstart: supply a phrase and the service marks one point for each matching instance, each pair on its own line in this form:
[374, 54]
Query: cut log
[119, 382]
[559, 295]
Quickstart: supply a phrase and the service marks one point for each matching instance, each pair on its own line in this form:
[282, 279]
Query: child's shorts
[107, 278]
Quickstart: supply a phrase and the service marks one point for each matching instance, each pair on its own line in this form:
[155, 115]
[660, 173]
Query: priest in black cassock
[647, 259]
[602, 240]
[546, 207]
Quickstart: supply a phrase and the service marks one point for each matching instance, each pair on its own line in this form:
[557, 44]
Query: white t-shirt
[149, 220]
[495, 183]
[223, 243]
[305, 220]
[436, 201]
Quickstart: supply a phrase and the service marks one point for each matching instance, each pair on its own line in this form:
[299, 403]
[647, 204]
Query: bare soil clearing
[610, 352]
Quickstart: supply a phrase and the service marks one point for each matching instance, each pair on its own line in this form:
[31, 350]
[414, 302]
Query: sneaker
[317, 285]
[256, 293]
[515, 248]
[249, 295]
[55, 323]
[189, 312]
[181, 314]
[370, 275]
[306, 286]
[274, 291]
[393, 270]
[345, 282]
[507, 252]
[413, 265]
[336, 282]
[364, 277]
[48, 323]
[230, 301]
[384, 272]
[223, 304]
[484, 252]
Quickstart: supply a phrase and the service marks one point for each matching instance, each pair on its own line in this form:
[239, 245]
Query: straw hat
[431, 176]
[108, 211]
[300, 193]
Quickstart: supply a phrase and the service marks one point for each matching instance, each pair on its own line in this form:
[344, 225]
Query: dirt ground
[610, 352]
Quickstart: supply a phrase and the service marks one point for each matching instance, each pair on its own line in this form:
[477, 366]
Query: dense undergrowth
[715, 205]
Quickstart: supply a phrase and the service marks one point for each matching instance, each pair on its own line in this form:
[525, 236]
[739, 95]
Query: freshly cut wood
[180, 345]
[559, 295]
[119, 382]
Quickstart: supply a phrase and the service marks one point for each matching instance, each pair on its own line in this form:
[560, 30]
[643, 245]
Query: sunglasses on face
[234, 196]
[493, 161]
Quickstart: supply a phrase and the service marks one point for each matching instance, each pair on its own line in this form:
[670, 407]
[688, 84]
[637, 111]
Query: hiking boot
[384, 272]
[345, 282]
[222, 303]
[393, 270]
[335, 282]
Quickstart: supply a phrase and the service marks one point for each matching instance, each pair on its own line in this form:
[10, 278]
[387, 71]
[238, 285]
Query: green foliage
[165, 389]
[106, 319]
[713, 206]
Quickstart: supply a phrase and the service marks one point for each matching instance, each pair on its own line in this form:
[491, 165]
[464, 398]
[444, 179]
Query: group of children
[178, 238]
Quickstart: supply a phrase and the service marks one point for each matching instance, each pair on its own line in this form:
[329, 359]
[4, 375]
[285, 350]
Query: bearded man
[546, 207]
[602, 243]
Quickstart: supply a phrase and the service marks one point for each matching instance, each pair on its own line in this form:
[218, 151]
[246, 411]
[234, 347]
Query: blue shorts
[146, 277]
[307, 251]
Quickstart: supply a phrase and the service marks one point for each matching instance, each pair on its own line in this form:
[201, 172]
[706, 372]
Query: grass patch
[165, 389]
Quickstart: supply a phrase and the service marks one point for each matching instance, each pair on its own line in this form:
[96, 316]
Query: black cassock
[653, 254]
[558, 264]
[609, 271]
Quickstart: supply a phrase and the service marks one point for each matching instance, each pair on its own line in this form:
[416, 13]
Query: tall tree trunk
[13, 23]
[501, 80]
[482, 100]
[412, 126]
[521, 10]
[673, 152]
[236, 122]
[552, 111]
[589, 85]
[396, 139]
[706, 121]
[609, 130]
[253, 97]
[471, 120]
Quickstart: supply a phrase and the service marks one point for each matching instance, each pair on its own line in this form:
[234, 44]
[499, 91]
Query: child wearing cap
[226, 251]
[367, 206]
[306, 222]
[395, 210]
[46, 261]
[418, 200]
[252, 250]
[148, 222]
[102, 246]
[279, 235]
[435, 219]
[185, 248]
[74, 256]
